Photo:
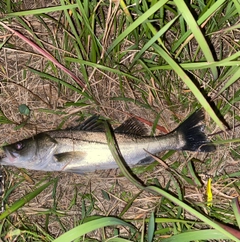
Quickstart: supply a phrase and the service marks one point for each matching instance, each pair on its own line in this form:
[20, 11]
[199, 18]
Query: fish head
[29, 153]
[20, 151]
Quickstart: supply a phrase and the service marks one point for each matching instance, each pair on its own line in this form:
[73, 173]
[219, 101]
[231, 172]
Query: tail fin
[193, 134]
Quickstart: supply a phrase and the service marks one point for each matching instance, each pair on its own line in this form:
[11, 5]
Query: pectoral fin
[69, 157]
[71, 161]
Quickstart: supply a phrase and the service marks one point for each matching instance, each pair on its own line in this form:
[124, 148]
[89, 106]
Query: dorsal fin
[91, 124]
[132, 126]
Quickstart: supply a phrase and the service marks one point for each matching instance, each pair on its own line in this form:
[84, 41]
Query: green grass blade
[95, 44]
[136, 23]
[210, 11]
[113, 146]
[126, 11]
[151, 227]
[4, 119]
[47, 55]
[237, 4]
[101, 67]
[199, 65]
[236, 209]
[156, 36]
[182, 7]
[226, 141]
[234, 78]
[42, 10]
[210, 234]
[21, 202]
[199, 96]
[78, 46]
[129, 204]
[90, 226]
[194, 212]
[57, 80]
[193, 174]
[118, 240]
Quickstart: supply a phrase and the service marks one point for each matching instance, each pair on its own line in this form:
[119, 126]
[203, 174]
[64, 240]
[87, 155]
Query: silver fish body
[81, 150]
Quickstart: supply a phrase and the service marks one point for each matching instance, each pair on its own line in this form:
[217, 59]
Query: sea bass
[85, 149]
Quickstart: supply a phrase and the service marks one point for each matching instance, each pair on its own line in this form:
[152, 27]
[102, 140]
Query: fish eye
[19, 146]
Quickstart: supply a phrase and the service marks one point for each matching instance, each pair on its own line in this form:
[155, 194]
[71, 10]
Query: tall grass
[153, 55]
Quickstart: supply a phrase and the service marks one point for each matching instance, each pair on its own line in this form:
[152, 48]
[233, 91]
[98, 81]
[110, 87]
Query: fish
[85, 149]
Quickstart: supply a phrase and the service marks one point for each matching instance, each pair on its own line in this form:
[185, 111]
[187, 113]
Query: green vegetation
[159, 59]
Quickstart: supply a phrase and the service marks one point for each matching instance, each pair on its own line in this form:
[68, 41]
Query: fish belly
[84, 157]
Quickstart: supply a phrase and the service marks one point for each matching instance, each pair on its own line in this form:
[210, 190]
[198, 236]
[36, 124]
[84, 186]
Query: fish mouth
[11, 157]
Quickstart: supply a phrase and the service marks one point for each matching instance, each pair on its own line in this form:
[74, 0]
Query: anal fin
[145, 161]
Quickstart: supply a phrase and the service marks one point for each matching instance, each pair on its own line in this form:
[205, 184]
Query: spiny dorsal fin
[132, 126]
[91, 124]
